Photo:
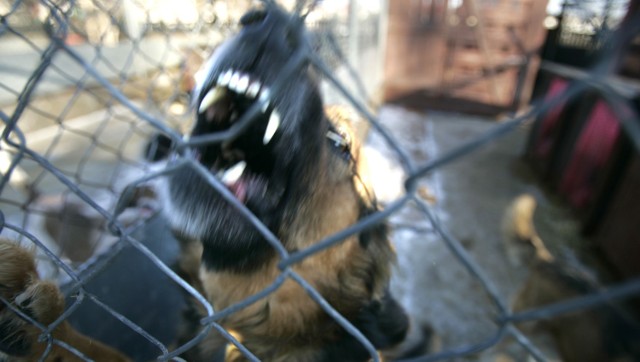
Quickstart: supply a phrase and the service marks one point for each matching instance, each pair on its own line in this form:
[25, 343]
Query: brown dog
[607, 333]
[298, 173]
[43, 302]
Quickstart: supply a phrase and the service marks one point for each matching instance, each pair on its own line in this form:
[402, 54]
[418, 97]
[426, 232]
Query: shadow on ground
[470, 197]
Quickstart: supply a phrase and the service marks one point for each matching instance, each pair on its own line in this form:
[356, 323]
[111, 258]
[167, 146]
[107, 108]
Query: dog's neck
[230, 257]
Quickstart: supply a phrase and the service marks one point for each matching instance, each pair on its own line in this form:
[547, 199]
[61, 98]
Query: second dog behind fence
[607, 333]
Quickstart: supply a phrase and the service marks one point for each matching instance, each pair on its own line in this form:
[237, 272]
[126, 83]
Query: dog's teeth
[272, 127]
[212, 96]
[224, 78]
[243, 84]
[265, 99]
[20, 299]
[253, 90]
[232, 175]
[233, 83]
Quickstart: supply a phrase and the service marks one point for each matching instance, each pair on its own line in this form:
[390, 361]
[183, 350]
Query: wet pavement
[469, 196]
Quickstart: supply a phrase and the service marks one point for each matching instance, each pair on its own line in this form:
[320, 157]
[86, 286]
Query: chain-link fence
[85, 85]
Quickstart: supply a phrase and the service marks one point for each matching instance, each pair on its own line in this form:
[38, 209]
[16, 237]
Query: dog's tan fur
[338, 273]
[42, 301]
[578, 336]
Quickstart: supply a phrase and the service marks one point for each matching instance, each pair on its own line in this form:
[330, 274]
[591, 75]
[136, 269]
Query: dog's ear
[383, 322]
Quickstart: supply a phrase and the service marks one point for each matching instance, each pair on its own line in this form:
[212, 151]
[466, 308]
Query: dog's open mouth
[246, 164]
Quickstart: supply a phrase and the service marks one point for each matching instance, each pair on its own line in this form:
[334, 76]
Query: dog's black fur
[267, 41]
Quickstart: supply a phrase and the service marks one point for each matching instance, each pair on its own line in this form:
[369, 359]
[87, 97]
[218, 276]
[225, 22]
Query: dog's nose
[253, 17]
[272, 24]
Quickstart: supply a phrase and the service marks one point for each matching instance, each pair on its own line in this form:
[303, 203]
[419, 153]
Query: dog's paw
[38, 300]
[421, 340]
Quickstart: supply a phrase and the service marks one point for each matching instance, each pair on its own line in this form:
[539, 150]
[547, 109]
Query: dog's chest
[285, 312]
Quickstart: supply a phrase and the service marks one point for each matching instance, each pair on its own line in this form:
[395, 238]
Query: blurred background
[550, 88]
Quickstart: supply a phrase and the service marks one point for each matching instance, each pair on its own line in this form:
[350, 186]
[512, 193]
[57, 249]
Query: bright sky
[554, 7]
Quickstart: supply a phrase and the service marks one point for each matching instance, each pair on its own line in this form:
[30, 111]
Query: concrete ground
[470, 197]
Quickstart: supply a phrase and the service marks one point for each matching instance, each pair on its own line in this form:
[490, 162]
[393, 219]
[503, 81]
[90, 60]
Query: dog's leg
[43, 302]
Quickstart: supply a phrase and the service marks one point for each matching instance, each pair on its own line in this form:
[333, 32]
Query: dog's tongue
[239, 189]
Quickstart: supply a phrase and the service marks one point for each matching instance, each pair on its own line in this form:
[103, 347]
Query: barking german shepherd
[297, 172]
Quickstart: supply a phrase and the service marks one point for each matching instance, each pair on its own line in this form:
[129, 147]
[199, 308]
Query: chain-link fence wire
[86, 77]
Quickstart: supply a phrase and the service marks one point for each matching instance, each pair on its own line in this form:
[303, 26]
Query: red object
[551, 120]
[590, 155]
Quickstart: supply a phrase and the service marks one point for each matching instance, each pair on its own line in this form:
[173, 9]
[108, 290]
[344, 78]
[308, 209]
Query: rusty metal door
[477, 56]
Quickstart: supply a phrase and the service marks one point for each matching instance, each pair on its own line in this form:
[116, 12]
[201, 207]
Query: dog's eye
[341, 142]
[345, 150]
